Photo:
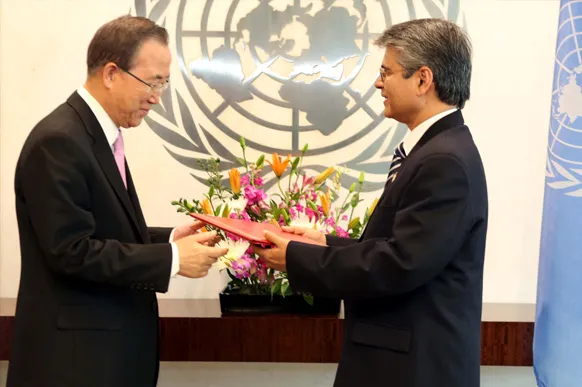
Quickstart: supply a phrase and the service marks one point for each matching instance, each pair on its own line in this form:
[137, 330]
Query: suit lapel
[104, 156]
[453, 120]
[135, 202]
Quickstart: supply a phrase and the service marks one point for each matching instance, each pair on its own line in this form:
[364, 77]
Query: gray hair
[439, 45]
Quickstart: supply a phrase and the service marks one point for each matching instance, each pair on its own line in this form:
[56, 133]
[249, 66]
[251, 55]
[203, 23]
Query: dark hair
[119, 40]
[440, 45]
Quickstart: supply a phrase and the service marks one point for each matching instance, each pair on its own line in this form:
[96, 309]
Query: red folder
[250, 231]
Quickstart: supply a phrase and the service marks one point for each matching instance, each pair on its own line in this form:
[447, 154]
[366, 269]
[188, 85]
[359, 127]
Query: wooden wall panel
[194, 330]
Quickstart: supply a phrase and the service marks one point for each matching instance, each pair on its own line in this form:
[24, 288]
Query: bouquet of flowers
[299, 199]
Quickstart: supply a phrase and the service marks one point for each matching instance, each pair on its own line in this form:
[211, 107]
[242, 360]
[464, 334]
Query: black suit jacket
[87, 311]
[412, 285]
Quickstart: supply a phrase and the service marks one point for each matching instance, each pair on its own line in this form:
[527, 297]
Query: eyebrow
[159, 77]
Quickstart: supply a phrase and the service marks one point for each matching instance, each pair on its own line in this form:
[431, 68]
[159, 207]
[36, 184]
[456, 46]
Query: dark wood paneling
[252, 339]
[507, 343]
[5, 334]
[193, 330]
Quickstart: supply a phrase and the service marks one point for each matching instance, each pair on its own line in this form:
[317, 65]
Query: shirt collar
[109, 128]
[413, 136]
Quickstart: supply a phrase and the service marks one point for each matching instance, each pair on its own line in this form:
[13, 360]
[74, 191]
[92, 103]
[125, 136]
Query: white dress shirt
[111, 133]
[413, 136]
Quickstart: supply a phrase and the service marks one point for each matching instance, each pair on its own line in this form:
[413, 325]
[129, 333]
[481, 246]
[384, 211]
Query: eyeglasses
[157, 88]
[383, 72]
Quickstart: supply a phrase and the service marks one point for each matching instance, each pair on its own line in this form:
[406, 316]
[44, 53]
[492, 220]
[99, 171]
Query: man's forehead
[156, 66]
[390, 58]
[152, 51]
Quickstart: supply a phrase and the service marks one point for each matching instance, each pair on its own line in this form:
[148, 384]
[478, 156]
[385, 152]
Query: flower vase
[232, 301]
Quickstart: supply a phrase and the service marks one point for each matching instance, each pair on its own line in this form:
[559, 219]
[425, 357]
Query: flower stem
[251, 178]
[284, 196]
[341, 210]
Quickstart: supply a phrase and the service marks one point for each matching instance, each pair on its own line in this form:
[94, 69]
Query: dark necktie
[397, 159]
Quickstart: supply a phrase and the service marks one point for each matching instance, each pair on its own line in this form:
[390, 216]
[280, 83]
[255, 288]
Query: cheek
[391, 92]
[391, 88]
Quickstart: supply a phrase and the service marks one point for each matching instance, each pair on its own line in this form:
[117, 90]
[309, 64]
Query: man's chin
[133, 123]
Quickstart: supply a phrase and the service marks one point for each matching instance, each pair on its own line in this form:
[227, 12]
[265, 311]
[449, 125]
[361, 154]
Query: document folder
[250, 231]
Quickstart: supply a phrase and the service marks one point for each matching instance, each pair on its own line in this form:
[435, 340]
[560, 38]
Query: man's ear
[109, 73]
[425, 80]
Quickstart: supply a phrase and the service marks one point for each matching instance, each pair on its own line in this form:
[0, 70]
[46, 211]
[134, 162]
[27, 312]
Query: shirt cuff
[175, 257]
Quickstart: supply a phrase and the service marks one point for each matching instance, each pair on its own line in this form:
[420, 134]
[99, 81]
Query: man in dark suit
[412, 284]
[87, 313]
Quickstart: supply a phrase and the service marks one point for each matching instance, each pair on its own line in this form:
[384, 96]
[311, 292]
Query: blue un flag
[558, 326]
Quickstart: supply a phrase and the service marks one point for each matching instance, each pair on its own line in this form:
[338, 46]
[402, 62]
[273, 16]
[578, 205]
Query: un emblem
[564, 162]
[281, 74]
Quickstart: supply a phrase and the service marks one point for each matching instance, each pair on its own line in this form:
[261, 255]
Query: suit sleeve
[160, 234]
[430, 224]
[333, 240]
[53, 183]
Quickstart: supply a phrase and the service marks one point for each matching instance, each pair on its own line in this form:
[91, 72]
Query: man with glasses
[87, 313]
[412, 284]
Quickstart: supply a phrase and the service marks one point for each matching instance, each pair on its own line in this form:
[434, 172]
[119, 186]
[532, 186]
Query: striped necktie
[397, 159]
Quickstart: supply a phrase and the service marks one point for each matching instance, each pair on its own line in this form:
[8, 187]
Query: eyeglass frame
[383, 74]
[154, 88]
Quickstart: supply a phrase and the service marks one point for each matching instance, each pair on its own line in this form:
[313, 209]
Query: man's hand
[195, 257]
[276, 255]
[187, 229]
[316, 236]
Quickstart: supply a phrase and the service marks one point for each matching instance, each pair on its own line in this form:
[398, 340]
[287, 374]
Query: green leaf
[232, 277]
[308, 298]
[241, 161]
[285, 288]
[211, 192]
[217, 211]
[245, 290]
[226, 211]
[273, 205]
[276, 287]
[295, 163]
[312, 205]
[261, 161]
[355, 201]
[286, 216]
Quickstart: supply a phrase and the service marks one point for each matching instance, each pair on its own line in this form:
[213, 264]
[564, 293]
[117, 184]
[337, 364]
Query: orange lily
[354, 222]
[234, 176]
[372, 207]
[206, 207]
[324, 175]
[278, 165]
[325, 203]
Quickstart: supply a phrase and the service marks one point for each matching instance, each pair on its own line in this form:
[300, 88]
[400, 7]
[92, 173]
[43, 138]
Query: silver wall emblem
[281, 73]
